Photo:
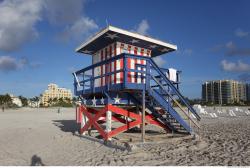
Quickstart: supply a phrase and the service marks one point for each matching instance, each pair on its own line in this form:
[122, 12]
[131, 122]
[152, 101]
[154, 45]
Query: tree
[55, 100]
[74, 99]
[5, 100]
[35, 99]
[68, 100]
[24, 100]
[1, 99]
[50, 101]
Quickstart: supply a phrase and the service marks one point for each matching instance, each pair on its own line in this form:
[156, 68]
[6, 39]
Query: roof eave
[98, 34]
[121, 31]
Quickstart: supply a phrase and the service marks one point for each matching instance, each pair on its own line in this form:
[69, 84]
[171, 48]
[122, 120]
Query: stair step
[156, 99]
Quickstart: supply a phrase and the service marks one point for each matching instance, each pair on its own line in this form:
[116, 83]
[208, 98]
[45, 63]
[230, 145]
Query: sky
[38, 39]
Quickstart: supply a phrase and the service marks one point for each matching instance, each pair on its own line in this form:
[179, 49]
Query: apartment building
[248, 92]
[54, 91]
[223, 92]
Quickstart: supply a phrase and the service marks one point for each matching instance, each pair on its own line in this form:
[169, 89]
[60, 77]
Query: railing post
[125, 74]
[91, 82]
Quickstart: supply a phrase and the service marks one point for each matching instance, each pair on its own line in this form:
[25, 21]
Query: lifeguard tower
[125, 85]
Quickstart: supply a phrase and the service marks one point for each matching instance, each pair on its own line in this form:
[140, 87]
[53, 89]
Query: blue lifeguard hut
[125, 85]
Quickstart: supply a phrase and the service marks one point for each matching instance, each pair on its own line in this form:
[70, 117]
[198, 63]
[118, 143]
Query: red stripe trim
[129, 65]
[121, 66]
[135, 50]
[142, 51]
[129, 49]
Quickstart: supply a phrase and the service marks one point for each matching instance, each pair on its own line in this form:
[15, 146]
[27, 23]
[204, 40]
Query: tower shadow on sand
[67, 125]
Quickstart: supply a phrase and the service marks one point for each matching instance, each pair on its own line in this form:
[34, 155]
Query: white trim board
[128, 33]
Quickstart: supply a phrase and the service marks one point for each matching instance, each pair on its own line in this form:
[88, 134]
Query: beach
[32, 136]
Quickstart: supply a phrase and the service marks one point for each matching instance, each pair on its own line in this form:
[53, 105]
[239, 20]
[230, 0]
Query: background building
[223, 92]
[16, 100]
[53, 92]
[248, 92]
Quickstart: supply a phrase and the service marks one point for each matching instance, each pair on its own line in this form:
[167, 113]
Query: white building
[16, 100]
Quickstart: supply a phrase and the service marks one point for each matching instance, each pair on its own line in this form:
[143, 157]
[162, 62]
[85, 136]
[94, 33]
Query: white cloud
[81, 29]
[233, 50]
[230, 49]
[61, 12]
[17, 23]
[8, 63]
[70, 15]
[240, 33]
[238, 66]
[19, 18]
[159, 61]
[142, 27]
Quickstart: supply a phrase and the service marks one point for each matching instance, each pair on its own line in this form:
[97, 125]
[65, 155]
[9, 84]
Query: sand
[31, 136]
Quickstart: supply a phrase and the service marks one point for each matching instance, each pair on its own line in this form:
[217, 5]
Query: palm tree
[8, 100]
[24, 100]
[36, 98]
[60, 99]
[55, 100]
[68, 100]
[50, 101]
[1, 99]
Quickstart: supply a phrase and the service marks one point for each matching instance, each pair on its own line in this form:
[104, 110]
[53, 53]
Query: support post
[108, 122]
[189, 115]
[138, 112]
[83, 119]
[143, 116]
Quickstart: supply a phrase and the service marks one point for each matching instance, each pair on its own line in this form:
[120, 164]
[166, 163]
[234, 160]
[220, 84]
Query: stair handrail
[178, 104]
[196, 124]
[172, 86]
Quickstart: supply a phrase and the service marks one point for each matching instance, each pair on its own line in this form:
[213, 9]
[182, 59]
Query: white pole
[108, 121]
[83, 122]
[138, 112]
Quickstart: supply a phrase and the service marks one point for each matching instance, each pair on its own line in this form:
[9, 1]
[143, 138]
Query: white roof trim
[125, 32]
[142, 37]
[92, 39]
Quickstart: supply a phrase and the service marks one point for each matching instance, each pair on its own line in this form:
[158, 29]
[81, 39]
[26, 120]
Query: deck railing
[85, 78]
[152, 77]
